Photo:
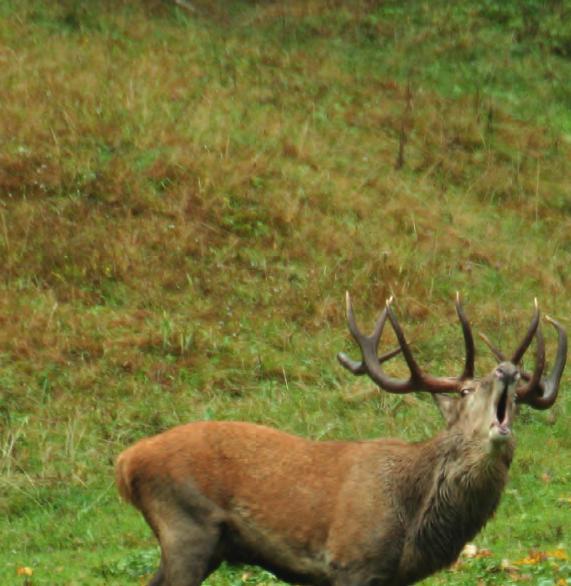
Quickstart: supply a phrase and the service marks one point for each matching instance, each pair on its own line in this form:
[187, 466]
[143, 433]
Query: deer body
[332, 513]
[382, 512]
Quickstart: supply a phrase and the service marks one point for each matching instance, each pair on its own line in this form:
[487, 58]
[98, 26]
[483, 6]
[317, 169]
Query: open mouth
[502, 416]
[502, 408]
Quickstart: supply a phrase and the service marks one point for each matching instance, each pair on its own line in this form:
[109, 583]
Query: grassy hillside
[186, 196]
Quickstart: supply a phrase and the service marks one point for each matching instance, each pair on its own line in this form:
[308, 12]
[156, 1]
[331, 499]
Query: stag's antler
[354, 366]
[418, 380]
[524, 344]
[541, 392]
[538, 391]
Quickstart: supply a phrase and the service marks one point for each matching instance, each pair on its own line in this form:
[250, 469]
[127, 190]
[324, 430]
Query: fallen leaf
[534, 558]
[24, 571]
[470, 550]
[558, 554]
[484, 553]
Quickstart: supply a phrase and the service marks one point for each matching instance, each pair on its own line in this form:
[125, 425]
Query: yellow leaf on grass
[558, 554]
[24, 571]
[534, 557]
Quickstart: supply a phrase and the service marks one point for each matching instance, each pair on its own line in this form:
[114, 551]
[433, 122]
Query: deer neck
[456, 484]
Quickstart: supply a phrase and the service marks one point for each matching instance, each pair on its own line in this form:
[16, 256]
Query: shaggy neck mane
[458, 483]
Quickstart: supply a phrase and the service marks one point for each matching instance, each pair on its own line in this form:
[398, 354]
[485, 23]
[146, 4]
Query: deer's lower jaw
[500, 432]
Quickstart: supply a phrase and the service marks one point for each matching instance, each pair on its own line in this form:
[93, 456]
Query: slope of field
[185, 196]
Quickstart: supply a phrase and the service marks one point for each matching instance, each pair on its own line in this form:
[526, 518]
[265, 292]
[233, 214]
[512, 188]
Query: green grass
[184, 200]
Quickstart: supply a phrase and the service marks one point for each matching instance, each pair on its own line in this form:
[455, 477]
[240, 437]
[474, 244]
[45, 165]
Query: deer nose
[507, 373]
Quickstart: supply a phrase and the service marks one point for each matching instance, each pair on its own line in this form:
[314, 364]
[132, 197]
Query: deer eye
[466, 391]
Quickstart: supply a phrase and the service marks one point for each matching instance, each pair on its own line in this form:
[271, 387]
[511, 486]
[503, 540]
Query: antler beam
[541, 392]
[418, 380]
[538, 391]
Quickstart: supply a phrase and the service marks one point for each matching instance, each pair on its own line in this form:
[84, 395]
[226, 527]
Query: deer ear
[448, 406]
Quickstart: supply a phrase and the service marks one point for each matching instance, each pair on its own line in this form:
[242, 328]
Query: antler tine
[468, 371]
[500, 356]
[415, 371]
[541, 393]
[526, 392]
[524, 345]
[356, 367]
[419, 380]
[368, 345]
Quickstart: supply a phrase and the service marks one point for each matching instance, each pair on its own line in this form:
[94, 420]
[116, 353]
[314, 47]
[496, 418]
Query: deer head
[481, 408]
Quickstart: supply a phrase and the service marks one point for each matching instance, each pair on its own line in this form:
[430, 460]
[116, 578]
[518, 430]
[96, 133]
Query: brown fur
[382, 512]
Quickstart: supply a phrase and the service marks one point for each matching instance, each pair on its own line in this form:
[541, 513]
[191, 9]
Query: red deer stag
[339, 513]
